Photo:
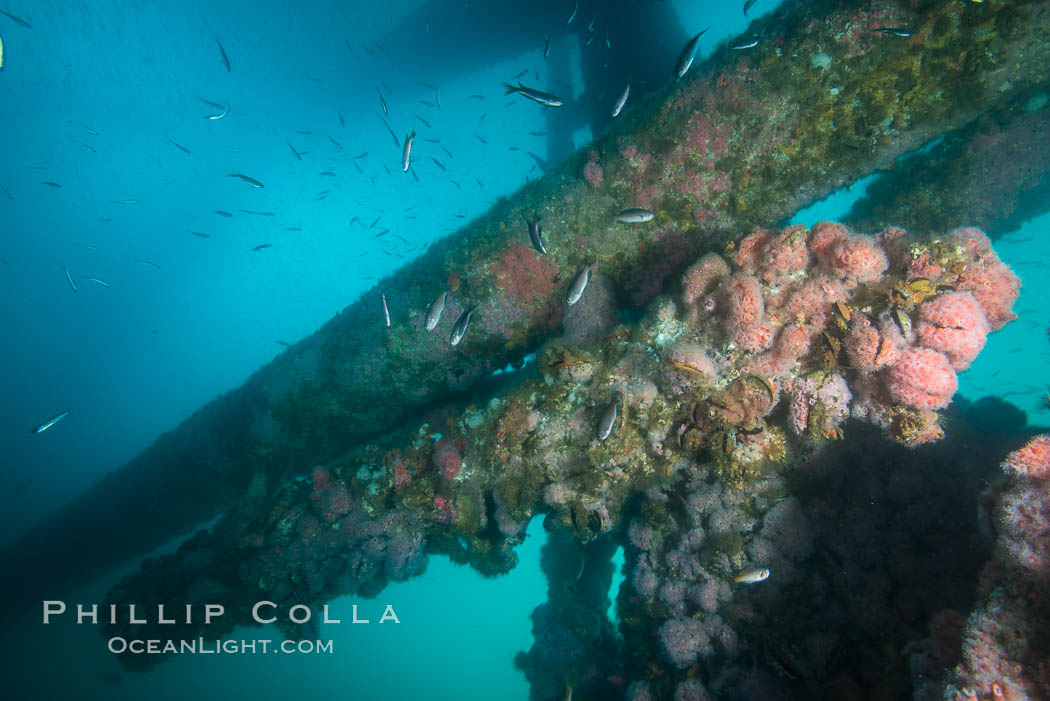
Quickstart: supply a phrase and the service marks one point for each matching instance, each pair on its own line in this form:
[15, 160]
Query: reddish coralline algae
[446, 511]
[447, 459]
[691, 174]
[635, 159]
[592, 172]
[322, 485]
[522, 273]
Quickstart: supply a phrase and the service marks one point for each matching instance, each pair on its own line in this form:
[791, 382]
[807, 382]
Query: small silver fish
[749, 45]
[607, 422]
[577, 286]
[251, 181]
[620, 102]
[902, 32]
[96, 280]
[634, 215]
[85, 127]
[69, 278]
[685, 61]
[433, 315]
[225, 111]
[87, 247]
[546, 46]
[536, 234]
[406, 154]
[225, 58]
[543, 98]
[573, 15]
[51, 422]
[386, 310]
[16, 20]
[80, 143]
[459, 330]
[147, 263]
[751, 575]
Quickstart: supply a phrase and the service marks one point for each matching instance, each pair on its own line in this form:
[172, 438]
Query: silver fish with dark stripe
[536, 234]
[578, 285]
[635, 215]
[607, 422]
[620, 102]
[406, 154]
[51, 422]
[544, 98]
[433, 315]
[685, 61]
[459, 330]
[69, 278]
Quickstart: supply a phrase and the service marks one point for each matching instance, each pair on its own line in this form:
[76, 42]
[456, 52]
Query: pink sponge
[857, 258]
[702, 277]
[867, 349]
[1033, 460]
[922, 378]
[775, 256]
[955, 325]
[994, 286]
[992, 283]
[824, 235]
[746, 309]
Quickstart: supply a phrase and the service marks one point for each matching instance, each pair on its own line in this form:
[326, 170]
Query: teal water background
[134, 359]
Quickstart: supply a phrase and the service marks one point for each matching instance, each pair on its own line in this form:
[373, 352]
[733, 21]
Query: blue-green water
[92, 98]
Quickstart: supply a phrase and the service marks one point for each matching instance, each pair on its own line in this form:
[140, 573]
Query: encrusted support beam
[744, 139]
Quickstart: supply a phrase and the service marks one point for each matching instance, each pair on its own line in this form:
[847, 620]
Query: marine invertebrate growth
[886, 345]
[1004, 645]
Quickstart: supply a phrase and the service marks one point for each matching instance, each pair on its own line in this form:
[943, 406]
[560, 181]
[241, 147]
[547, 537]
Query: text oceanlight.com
[200, 646]
[262, 612]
